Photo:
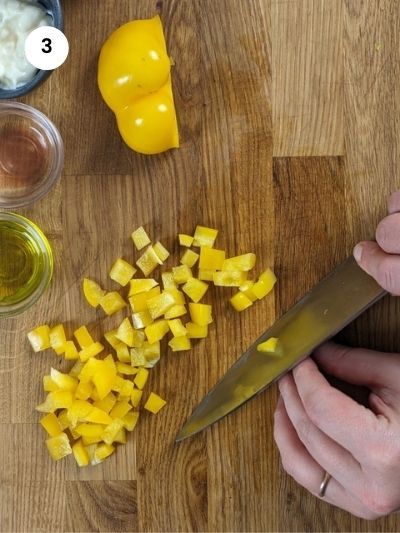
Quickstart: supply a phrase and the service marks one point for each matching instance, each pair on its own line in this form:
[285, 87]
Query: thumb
[383, 267]
[359, 366]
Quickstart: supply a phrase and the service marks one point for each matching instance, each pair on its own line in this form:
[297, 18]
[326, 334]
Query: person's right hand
[381, 259]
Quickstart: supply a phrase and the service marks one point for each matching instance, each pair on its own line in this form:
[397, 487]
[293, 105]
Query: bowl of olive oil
[26, 264]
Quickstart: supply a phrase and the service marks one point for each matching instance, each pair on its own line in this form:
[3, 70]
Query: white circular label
[46, 48]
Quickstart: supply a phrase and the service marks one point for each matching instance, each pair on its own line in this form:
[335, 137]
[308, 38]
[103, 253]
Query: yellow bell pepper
[168, 280]
[48, 384]
[90, 430]
[120, 409]
[140, 238]
[130, 420]
[58, 339]
[59, 399]
[63, 381]
[148, 261]
[194, 331]
[40, 338]
[138, 302]
[247, 289]
[123, 355]
[141, 378]
[126, 333]
[123, 386]
[83, 337]
[200, 314]
[243, 262]
[92, 292]
[84, 390]
[122, 272]
[136, 396]
[154, 403]
[180, 344]
[112, 302]
[211, 259]
[128, 370]
[181, 274]
[141, 319]
[265, 284]
[156, 331]
[98, 416]
[111, 338]
[141, 285]
[159, 304]
[135, 82]
[269, 346]
[185, 240]
[229, 278]
[177, 328]
[240, 301]
[59, 446]
[90, 351]
[76, 369]
[189, 258]
[104, 378]
[71, 351]
[102, 452]
[51, 424]
[161, 252]
[111, 431]
[175, 311]
[107, 403]
[206, 275]
[204, 236]
[80, 453]
[195, 289]
[63, 419]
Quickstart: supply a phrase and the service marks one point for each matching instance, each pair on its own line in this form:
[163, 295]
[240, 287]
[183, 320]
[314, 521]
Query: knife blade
[330, 306]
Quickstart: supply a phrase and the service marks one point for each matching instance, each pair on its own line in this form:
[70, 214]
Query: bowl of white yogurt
[17, 19]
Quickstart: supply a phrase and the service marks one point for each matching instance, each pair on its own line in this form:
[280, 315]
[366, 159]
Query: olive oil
[26, 263]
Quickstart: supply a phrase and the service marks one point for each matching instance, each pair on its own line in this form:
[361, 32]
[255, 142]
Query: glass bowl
[31, 155]
[53, 8]
[26, 264]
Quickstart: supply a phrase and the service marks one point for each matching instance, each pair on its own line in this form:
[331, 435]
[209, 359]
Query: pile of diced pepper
[90, 409]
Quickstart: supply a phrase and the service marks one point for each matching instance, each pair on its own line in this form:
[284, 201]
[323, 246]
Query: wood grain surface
[313, 83]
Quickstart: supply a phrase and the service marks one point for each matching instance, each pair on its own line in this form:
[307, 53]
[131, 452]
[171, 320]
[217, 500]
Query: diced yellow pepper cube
[121, 436]
[269, 346]
[98, 416]
[180, 344]
[138, 357]
[148, 261]
[141, 378]
[140, 238]
[177, 328]
[195, 289]
[139, 338]
[90, 440]
[63, 381]
[156, 331]
[104, 379]
[76, 369]
[111, 431]
[158, 305]
[79, 410]
[122, 351]
[59, 399]
[90, 351]
[141, 319]
[194, 331]
[136, 397]
[154, 403]
[107, 403]
[185, 240]
[92, 292]
[126, 333]
[179, 297]
[90, 430]
[112, 302]
[130, 420]
[181, 274]
[139, 301]
[48, 384]
[206, 275]
[51, 424]
[111, 338]
[240, 301]
[128, 370]
[59, 446]
[120, 409]
[136, 286]
[80, 453]
[247, 289]
[83, 337]
[71, 351]
[175, 311]
[63, 419]
[211, 258]
[58, 339]
[84, 390]
[74, 434]
[123, 386]
[229, 278]
[243, 262]
[151, 352]
[122, 272]
[90, 368]
[189, 258]
[168, 280]
[200, 314]
[40, 338]
[102, 452]
[204, 236]
[265, 284]
[161, 251]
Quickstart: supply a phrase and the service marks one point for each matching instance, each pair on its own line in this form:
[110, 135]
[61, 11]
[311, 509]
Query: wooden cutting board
[287, 114]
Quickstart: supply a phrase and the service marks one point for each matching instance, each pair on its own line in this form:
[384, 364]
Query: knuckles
[388, 276]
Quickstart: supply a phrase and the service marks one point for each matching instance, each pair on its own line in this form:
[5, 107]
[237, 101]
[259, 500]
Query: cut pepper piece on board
[204, 236]
[154, 403]
[40, 338]
[59, 446]
[140, 238]
[122, 272]
[240, 301]
[92, 292]
[185, 240]
[112, 302]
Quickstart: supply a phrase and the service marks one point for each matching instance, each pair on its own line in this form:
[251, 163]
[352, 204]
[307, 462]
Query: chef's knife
[321, 314]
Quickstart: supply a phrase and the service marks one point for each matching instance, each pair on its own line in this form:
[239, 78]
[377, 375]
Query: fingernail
[357, 252]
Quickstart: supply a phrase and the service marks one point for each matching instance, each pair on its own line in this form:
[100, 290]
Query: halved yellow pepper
[134, 80]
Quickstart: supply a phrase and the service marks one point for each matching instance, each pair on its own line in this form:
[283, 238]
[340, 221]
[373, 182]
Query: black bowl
[53, 8]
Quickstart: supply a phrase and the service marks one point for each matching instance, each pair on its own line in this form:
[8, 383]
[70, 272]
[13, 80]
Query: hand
[319, 429]
[381, 259]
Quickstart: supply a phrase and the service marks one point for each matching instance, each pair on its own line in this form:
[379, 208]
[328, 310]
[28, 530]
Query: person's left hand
[319, 429]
